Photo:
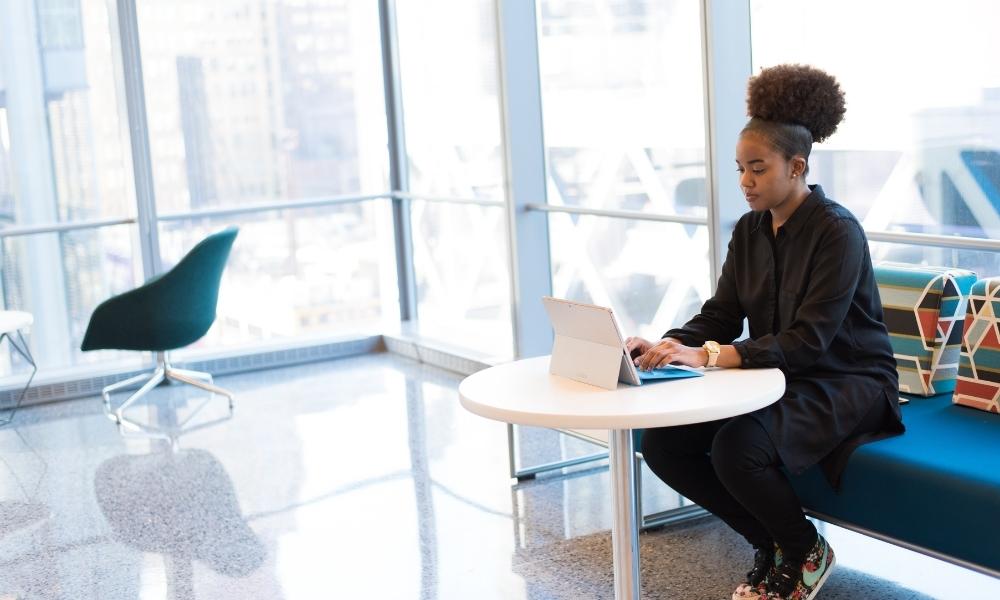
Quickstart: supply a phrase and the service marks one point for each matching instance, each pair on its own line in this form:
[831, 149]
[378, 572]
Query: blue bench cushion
[936, 486]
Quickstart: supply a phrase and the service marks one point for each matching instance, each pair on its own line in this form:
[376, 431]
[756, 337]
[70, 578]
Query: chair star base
[164, 372]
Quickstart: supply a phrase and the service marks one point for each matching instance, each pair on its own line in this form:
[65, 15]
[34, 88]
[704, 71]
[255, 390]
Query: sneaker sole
[822, 580]
[736, 595]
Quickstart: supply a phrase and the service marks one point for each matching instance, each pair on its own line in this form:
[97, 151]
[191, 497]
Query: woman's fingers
[669, 351]
[637, 346]
[665, 359]
[660, 354]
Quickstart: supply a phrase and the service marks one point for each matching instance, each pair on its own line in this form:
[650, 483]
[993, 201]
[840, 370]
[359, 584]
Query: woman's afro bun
[797, 94]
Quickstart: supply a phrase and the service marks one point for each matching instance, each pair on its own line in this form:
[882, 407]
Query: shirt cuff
[741, 347]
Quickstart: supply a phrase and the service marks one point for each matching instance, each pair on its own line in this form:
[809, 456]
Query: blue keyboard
[668, 372]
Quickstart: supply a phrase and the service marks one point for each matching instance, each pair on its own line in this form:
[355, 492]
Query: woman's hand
[637, 346]
[667, 351]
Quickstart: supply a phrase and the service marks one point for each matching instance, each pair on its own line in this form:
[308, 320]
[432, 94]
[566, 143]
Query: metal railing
[933, 240]
[19, 230]
[619, 214]
[449, 200]
[893, 237]
[226, 211]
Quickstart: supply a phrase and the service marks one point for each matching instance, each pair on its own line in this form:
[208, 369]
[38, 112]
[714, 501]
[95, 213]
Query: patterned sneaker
[764, 563]
[794, 582]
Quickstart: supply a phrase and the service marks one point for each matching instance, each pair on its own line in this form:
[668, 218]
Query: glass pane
[463, 289]
[64, 157]
[252, 102]
[915, 152]
[448, 72]
[624, 264]
[298, 273]
[984, 264]
[64, 154]
[94, 264]
[623, 104]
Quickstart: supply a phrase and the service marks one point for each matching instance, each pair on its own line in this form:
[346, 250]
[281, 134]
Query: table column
[624, 527]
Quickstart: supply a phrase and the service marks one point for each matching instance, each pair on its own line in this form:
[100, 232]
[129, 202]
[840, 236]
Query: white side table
[12, 322]
[523, 392]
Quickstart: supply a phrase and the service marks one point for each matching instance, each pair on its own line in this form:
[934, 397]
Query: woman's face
[766, 177]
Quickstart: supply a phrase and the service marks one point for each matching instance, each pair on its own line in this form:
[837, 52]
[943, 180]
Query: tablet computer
[590, 347]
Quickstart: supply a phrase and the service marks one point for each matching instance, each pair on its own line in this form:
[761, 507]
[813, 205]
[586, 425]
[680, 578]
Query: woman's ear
[798, 167]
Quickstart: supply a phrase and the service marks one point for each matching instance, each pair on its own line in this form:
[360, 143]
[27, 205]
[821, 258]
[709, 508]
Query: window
[623, 104]
[300, 274]
[247, 107]
[243, 107]
[63, 159]
[624, 264]
[448, 72]
[463, 289]
[622, 99]
[919, 149]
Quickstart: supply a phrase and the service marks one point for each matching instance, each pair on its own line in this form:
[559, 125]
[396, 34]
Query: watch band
[713, 349]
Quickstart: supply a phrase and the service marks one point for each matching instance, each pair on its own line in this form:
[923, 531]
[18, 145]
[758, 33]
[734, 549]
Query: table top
[12, 320]
[523, 392]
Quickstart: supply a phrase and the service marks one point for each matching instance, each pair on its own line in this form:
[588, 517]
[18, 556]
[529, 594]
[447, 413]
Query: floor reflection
[23, 474]
[420, 475]
[181, 504]
[176, 415]
[15, 515]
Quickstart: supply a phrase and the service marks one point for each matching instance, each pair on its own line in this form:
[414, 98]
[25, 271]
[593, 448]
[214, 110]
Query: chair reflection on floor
[182, 504]
[27, 511]
[167, 427]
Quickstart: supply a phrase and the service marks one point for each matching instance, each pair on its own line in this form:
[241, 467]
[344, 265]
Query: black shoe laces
[763, 560]
[784, 577]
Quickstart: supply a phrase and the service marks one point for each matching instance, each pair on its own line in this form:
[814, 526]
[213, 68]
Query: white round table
[13, 320]
[11, 324]
[523, 392]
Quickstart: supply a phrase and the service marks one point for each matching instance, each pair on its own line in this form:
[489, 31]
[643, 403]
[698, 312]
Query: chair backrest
[192, 285]
[171, 310]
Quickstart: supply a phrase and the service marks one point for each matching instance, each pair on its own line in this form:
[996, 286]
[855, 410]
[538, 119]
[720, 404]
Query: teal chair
[169, 311]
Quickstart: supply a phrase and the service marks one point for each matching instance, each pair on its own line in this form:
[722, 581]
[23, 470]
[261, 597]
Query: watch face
[713, 349]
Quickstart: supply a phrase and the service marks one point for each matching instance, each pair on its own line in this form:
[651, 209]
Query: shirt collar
[797, 221]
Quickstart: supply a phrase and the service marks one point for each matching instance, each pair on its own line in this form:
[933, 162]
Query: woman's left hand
[671, 351]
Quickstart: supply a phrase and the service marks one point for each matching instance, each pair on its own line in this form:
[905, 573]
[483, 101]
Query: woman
[799, 270]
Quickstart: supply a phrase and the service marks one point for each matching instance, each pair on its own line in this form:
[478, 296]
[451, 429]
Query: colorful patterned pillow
[979, 367]
[925, 313]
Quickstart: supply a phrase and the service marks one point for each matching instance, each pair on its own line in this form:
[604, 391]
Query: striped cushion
[925, 313]
[979, 367]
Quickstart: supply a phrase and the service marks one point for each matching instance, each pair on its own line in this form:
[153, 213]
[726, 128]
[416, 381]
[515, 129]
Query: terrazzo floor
[360, 478]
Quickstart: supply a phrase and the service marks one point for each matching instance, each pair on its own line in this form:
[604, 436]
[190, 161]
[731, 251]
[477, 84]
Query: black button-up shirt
[814, 312]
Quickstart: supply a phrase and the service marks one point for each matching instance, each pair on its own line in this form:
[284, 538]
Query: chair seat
[13, 320]
[936, 486]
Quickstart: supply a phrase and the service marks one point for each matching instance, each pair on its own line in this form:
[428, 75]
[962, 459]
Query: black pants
[731, 469]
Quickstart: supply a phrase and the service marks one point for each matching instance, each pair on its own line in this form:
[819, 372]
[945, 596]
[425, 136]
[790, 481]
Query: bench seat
[935, 488]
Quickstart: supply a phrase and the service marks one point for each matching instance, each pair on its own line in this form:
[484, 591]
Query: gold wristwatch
[713, 349]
